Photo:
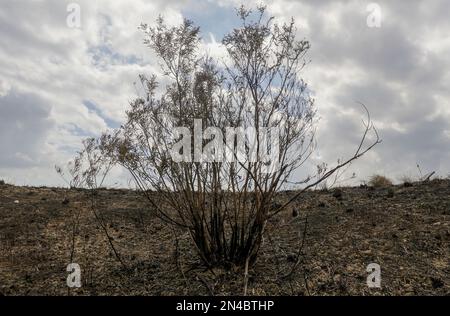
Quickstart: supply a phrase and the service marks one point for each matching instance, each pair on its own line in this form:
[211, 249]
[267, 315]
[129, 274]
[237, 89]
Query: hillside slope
[406, 230]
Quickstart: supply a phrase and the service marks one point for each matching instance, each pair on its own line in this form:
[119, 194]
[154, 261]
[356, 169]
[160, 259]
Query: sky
[63, 79]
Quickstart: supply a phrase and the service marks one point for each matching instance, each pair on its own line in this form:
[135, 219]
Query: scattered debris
[337, 193]
[322, 204]
[390, 193]
[436, 283]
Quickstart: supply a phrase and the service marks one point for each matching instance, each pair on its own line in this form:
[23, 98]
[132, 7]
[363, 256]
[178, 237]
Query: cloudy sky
[60, 83]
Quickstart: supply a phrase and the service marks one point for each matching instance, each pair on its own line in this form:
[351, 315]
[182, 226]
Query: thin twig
[177, 259]
[105, 230]
[299, 252]
[246, 276]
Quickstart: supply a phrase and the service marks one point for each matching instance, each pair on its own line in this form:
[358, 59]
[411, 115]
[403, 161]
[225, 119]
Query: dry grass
[407, 234]
[379, 181]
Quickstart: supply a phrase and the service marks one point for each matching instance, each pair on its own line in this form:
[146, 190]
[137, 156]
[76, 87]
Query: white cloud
[400, 71]
[41, 56]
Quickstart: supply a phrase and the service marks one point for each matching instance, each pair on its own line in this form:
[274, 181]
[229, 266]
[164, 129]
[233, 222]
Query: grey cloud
[425, 144]
[395, 70]
[24, 124]
[25, 27]
[399, 76]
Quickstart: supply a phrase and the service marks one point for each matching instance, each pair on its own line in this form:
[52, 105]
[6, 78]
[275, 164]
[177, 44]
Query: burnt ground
[406, 230]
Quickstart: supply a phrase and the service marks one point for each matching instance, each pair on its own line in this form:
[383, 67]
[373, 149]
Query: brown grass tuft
[379, 181]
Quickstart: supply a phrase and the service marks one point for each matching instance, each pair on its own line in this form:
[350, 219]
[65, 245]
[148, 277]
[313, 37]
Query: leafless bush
[419, 178]
[223, 203]
[89, 169]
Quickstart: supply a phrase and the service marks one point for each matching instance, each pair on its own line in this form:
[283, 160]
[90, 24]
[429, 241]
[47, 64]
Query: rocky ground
[404, 229]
